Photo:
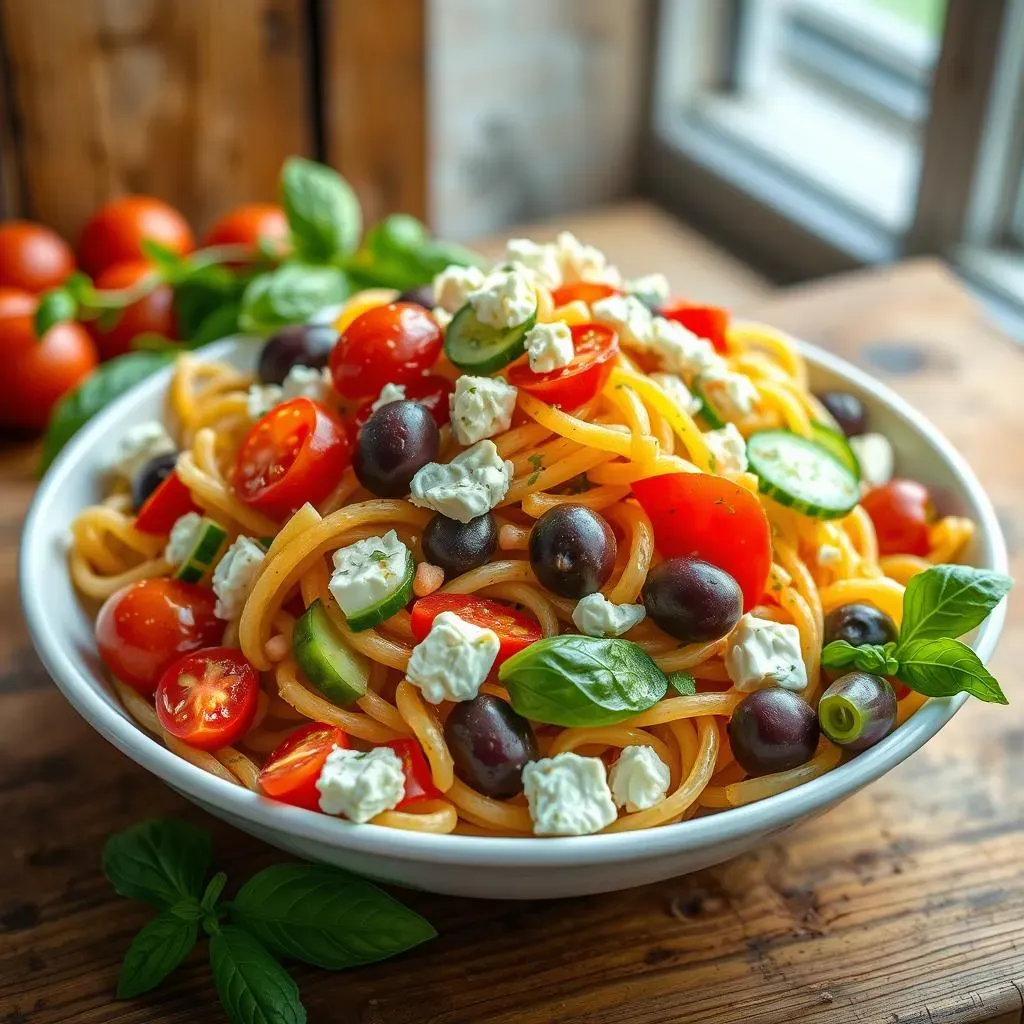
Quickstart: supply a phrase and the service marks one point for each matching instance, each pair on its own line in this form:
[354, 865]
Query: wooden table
[905, 904]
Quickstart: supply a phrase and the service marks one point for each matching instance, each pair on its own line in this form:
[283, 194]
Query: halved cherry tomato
[291, 770]
[152, 314]
[710, 517]
[419, 783]
[165, 506]
[710, 322]
[143, 627]
[208, 699]
[249, 225]
[33, 257]
[596, 346]
[294, 454]
[585, 291]
[515, 630]
[393, 344]
[430, 391]
[902, 512]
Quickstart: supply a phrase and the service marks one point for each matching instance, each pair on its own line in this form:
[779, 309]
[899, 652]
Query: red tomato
[709, 322]
[291, 770]
[709, 517]
[902, 512]
[208, 699]
[585, 291]
[145, 626]
[430, 391]
[515, 630]
[115, 232]
[165, 506]
[33, 257]
[596, 347]
[900, 689]
[17, 302]
[419, 782]
[393, 344]
[152, 314]
[247, 225]
[295, 454]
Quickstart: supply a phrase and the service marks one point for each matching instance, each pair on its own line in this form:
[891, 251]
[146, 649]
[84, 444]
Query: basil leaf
[322, 210]
[325, 916]
[55, 307]
[943, 667]
[160, 861]
[290, 294]
[172, 266]
[221, 323]
[582, 680]
[202, 294]
[866, 657]
[96, 392]
[159, 947]
[683, 683]
[950, 600]
[253, 987]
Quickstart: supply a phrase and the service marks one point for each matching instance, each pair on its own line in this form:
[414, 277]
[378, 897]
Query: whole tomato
[115, 232]
[153, 313]
[33, 257]
[246, 225]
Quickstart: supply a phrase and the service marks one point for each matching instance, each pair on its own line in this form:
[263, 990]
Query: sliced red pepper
[710, 322]
[165, 506]
[419, 782]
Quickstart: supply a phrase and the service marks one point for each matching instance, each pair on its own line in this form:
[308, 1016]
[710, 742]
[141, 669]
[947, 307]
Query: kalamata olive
[847, 410]
[692, 600]
[458, 547]
[859, 623]
[150, 475]
[295, 345]
[572, 550]
[857, 710]
[489, 743]
[773, 730]
[399, 439]
[421, 295]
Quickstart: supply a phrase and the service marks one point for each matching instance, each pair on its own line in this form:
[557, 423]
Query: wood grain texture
[905, 905]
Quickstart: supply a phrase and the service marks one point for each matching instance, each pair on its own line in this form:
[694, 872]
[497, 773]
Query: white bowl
[62, 631]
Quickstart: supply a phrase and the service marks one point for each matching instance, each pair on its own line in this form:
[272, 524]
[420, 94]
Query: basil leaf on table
[156, 950]
[582, 680]
[950, 600]
[867, 657]
[943, 667]
[290, 294]
[323, 212]
[325, 916]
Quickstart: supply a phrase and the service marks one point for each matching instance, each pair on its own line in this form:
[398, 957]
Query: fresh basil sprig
[683, 683]
[324, 219]
[291, 294]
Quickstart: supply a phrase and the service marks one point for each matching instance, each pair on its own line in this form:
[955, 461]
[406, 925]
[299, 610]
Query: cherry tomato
[393, 344]
[33, 257]
[115, 232]
[248, 225]
[515, 630]
[208, 699]
[165, 506]
[709, 517]
[596, 347]
[152, 314]
[430, 391]
[37, 372]
[295, 454]
[902, 512]
[291, 770]
[145, 626]
[710, 322]
[585, 291]
[17, 302]
[419, 782]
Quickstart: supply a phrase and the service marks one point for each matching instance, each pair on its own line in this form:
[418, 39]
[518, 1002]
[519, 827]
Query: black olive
[150, 476]
[692, 600]
[295, 345]
[773, 730]
[458, 547]
[398, 440]
[847, 410]
[857, 710]
[858, 624]
[572, 550]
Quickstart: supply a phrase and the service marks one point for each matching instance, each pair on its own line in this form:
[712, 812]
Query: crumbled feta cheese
[183, 536]
[506, 299]
[326, 315]
[453, 285]
[261, 399]
[765, 653]
[639, 778]
[453, 660]
[595, 615]
[579, 262]
[549, 347]
[541, 260]
[301, 382]
[442, 316]
[368, 571]
[481, 407]
[728, 449]
[568, 795]
[733, 394]
[653, 287]
[139, 444]
[473, 483]
[235, 576]
[388, 394]
[631, 319]
[680, 350]
[361, 784]
[675, 387]
[829, 554]
[875, 455]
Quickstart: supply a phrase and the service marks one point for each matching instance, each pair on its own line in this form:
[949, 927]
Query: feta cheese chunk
[473, 483]
[653, 287]
[453, 660]
[442, 316]
[579, 262]
[675, 387]
[631, 319]
[368, 571]
[139, 444]
[829, 554]
[680, 350]
[388, 394]
[549, 347]
[453, 285]
[480, 407]
[728, 449]
[733, 394]
[183, 536]
[639, 778]
[875, 455]
[568, 795]
[506, 299]
[261, 399]
[595, 615]
[361, 784]
[541, 260]
[301, 382]
[235, 576]
[765, 653]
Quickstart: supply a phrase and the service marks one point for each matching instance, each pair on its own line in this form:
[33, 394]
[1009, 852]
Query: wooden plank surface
[905, 905]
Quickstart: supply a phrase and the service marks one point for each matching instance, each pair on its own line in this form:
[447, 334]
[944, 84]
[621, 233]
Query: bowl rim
[268, 816]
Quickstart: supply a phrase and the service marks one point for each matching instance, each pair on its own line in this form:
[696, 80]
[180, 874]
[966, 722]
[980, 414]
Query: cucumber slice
[708, 412]
[375, 614]
[480, 349]
[799, 473]
[837, 446]
[209, 539]
[338, 672]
